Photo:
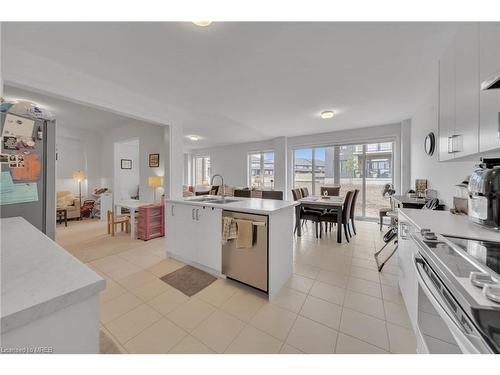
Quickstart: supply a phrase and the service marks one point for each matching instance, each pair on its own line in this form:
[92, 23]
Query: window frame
[203, 167]
[262, 169]
[364, 149]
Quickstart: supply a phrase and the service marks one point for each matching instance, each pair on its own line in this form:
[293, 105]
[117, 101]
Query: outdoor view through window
[367, 167]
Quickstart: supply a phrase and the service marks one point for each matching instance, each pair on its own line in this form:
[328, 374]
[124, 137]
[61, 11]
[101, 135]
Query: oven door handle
[425, 282]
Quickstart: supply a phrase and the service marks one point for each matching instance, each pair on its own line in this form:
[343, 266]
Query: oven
[447, 319]
[443, 327]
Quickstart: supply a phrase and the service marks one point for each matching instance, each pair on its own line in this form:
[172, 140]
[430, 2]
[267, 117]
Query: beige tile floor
[335, 302]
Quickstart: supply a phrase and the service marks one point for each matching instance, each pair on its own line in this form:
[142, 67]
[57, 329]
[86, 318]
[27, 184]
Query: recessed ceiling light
[327, 114]
[193, 137]
[202, 23]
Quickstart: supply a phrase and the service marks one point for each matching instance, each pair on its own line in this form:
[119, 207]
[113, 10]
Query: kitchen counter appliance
[484, 194]
[458, 297]
[248, 265]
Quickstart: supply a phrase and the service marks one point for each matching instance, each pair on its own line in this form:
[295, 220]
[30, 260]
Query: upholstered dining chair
[272, 194]
[353, 208]
[332, 191]
[331, 217]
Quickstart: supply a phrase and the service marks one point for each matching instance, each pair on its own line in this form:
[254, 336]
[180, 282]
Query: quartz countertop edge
[250, 205]
[448, 224]
[38, 276]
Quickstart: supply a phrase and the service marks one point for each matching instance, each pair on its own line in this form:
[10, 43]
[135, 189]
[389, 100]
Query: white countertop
[38, 277]
[250, 205]
[447, 224]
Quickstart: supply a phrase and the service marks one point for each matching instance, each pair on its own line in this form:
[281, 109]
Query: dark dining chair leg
[345, 232]
[348, 229]
[339, 221]
[316, 229]
[353, 227]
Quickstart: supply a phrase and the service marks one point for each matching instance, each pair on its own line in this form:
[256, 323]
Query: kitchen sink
[205, 199]
[224, 201]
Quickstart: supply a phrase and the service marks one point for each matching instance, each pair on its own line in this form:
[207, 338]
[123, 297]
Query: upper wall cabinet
[446, 101]
[469, 117]
[489, 64]
[459, 95]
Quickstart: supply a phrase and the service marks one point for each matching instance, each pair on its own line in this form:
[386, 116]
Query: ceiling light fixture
[202, 23]
[193, 137]
[327, 114]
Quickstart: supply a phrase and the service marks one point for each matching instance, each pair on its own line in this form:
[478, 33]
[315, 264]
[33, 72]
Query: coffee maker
[484, 193]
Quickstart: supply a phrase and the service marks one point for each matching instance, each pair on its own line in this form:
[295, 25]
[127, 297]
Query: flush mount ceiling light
[327, 114]
[193, 137]
[202, 23]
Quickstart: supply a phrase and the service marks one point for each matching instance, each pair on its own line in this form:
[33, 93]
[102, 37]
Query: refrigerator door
[35, 211]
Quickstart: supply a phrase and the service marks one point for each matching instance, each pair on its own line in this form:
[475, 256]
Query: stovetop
[485, 252]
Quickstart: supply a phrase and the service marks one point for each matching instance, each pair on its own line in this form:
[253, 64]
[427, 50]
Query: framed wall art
[154, 160]
[126, 164]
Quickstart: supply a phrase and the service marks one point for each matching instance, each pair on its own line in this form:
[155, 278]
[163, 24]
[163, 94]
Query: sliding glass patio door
[367, 167]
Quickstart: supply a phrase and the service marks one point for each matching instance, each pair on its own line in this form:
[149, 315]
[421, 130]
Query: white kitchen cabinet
[489, 100]
[446, 101]
[194, 234]
[407, 275]
[467, 89]
[178, 230]
[209, 239]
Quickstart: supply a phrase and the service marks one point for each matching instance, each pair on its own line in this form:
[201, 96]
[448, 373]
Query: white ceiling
[72, 115]
[251, 81]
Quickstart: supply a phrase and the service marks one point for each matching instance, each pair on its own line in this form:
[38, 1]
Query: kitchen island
[50, 300]
[194, 236]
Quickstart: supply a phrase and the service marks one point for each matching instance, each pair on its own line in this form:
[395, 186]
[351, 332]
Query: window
[367, 167]
[314, 167]
[261, 170]
[202, 170]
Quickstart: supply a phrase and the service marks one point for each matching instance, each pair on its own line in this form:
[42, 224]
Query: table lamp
[79, 176]
[155, 182]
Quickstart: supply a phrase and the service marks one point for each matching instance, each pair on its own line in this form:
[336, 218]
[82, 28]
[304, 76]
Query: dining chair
[113, 220]
[332, 191]
[272, 194]
[305, 192]
[353, 208]
[331, 217]
[242, 193]
[307, 214]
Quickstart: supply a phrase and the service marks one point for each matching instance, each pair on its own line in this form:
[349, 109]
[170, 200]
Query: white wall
[441, 176]
[77, 150]
[151, 141]
[128, 179]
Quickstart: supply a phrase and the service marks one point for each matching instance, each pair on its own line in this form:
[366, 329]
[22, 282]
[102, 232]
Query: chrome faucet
[222, 180]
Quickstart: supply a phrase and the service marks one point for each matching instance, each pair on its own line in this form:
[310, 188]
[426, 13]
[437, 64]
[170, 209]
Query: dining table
[332, 203]
[132, 205]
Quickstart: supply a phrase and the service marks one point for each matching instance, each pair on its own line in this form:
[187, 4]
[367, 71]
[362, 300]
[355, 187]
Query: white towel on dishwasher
[229, 229]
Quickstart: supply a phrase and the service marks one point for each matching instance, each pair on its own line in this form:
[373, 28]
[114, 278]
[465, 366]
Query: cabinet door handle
[192, 214]
[172, 210]
[197, 214]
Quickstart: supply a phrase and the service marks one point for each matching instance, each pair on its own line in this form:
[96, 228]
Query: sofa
[67, 200]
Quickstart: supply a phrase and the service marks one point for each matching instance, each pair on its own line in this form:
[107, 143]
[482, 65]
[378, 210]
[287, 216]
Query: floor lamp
[155, 182]
[79, 176]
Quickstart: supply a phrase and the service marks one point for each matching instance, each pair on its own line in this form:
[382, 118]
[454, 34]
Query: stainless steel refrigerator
[27, 187]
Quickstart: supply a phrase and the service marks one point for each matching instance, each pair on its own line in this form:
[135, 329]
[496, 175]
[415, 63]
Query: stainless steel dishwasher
[249, 266]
